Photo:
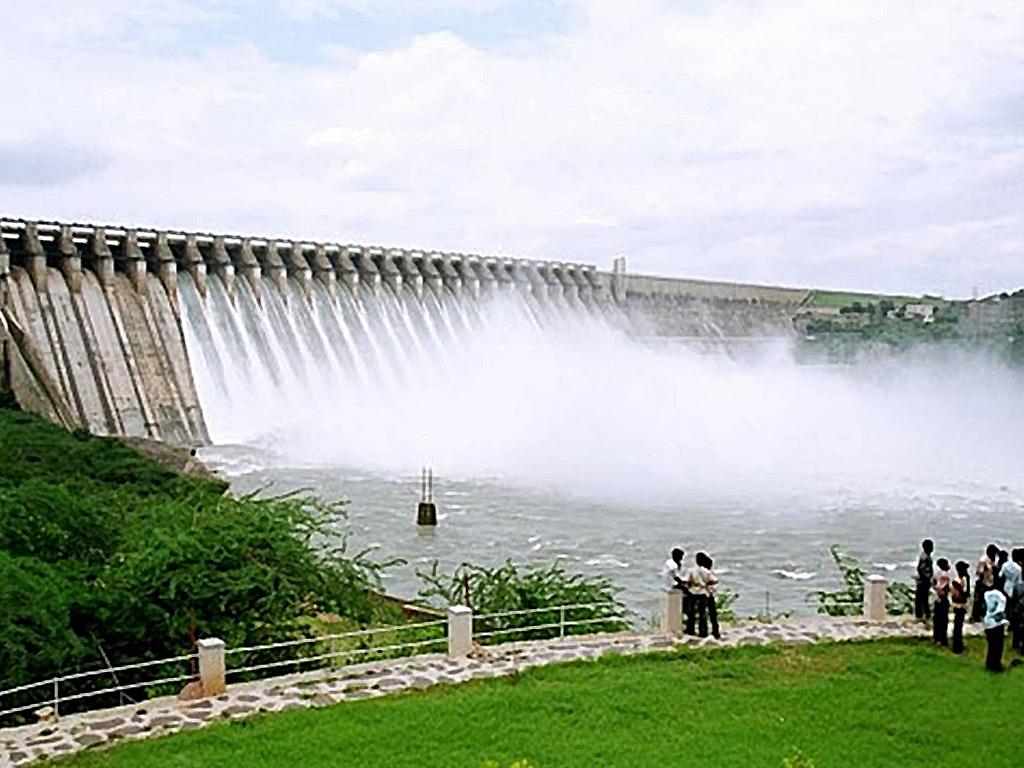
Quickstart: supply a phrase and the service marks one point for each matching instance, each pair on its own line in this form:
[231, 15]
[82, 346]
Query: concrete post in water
[672, 612]
[369, 275]
[220, 264]
[248, 266]
[165, 267]
[874, 598]
[70, 261]
[388, 271]
[554, 285]
[212, 668]
[323, 270]
[195, 264]
[449, 275]
[411, 274]
[431, 276]
[344, 268]
[460, 631]
[273, 266]
[484, 275]
[426, 513]
[101, 257]
[135, 262]
[538, 285]
[34, 256]
[470, 281]
[575, 273]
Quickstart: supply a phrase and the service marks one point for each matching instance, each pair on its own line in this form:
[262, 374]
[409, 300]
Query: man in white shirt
[672, 571]
[672, 577]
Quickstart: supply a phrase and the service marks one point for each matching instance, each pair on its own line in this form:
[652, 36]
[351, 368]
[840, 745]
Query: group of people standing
[996, 598]
[699, 585]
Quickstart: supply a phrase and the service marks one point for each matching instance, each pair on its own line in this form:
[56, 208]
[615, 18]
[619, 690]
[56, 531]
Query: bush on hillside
[511, 587]
[849, 601]
[108, 556]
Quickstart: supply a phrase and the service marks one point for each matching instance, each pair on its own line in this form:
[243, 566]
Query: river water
[555, 435]
[776, 551]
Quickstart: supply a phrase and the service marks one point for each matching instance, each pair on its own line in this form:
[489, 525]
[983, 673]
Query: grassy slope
[896, 703]
[844, 298]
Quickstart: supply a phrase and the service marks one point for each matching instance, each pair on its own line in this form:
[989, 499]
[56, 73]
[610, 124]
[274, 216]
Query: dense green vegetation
[849, 601]
[105, 553]
[847, 298]
[107, 556]
[886, 703]
[517, 588]
[841, 327]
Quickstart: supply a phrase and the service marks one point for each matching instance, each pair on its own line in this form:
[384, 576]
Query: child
[961, 594]
[940, 586]
[924, 579]
[995, 629]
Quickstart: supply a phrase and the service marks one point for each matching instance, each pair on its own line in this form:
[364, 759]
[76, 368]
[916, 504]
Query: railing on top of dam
[134, 250]
[34, 245]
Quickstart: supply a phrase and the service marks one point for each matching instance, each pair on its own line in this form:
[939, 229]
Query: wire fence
[129, 683]
[551, 622]
[339, 649]
[105, 687]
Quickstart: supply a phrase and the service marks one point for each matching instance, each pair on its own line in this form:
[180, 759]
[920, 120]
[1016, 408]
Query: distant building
[925, 311]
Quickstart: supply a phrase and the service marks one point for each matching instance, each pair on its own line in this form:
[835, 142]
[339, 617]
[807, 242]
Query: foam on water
[575, 405]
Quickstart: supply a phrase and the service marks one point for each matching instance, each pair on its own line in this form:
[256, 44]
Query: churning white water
[568, 401]
[560, 435]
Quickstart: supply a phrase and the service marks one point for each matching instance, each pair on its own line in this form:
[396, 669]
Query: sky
[875, 145]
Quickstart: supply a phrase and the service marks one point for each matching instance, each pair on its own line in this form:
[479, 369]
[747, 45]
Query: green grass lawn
[892, 703]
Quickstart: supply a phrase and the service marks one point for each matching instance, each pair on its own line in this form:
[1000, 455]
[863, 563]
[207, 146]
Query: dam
[104, 327]
[570, 413]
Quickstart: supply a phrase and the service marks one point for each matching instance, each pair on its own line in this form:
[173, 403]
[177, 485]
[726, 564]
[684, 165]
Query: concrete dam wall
[106, 328]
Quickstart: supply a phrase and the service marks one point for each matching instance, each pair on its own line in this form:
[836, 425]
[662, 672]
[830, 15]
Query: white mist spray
[567, 401]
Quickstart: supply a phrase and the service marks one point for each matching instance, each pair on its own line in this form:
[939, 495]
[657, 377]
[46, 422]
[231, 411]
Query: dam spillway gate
[102, 326]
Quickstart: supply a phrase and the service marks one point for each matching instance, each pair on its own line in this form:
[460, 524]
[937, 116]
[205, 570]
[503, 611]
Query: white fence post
[874, 598]
[212, 668]
[671, 612]
[460, 631]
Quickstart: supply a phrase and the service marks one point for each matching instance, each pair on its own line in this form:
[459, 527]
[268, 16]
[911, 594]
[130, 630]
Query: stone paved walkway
[158, 717]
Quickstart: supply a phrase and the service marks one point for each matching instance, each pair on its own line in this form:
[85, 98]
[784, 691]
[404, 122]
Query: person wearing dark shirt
[925, 571]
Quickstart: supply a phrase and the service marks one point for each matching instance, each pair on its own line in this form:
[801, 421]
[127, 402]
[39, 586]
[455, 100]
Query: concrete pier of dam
[91, 331]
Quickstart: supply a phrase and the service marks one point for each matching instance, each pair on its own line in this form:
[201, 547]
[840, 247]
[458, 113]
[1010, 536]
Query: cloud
[47, 161]
[816, 142]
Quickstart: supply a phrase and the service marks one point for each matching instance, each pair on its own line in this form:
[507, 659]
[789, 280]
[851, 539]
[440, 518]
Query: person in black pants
[924, 580]
[940, 585]
[995, 629]
[1017, 601]
[960, 593]
[697, 618]
[711, 580]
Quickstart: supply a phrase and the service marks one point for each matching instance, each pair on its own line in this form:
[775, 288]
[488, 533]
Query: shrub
[511, 587]
[106, 555]
[849, 601]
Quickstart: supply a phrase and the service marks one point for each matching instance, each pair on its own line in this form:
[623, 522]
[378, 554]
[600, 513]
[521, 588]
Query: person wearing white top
[672, 571]
[995, 629]
[672, 577]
